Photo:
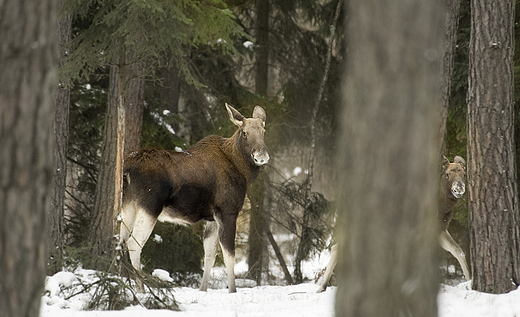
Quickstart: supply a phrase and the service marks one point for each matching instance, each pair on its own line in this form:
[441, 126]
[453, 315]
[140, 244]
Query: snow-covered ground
[288, 301]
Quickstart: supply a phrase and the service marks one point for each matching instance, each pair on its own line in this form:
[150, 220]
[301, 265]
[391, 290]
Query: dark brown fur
[208, 182]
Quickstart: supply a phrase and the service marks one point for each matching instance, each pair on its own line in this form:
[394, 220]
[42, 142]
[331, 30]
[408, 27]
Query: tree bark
[102, 233]
[388, 162]
[134, 93]
[262, 50]
[61, 133]
[451, 25]
[257, 242]
[493, 204]
[257, 224]
[122, 135]
[28, 68]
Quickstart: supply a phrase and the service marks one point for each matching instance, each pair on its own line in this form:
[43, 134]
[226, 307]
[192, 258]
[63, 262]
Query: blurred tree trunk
[257, 241]
[388, 162]
[451, 26]
[61, 133]
[28, 64]
[493, 196]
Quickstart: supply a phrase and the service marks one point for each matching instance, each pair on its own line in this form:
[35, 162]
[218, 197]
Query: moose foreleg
[226, 233]
[448, 244]
[210, 252]
[330, 268]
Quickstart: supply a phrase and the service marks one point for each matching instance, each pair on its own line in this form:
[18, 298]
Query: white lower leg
[229, 260]
[143, 227]
[448, 244]
[210, 252]
[330, 268]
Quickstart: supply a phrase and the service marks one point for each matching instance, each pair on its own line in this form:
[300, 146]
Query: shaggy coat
[208, 182]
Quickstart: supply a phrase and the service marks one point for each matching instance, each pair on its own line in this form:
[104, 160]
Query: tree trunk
[257, 242]
[28, 64]
[262, 50]
[123, 128]
[492, 202]
[388, 162]
[451, 25]
[61, 134]
[134, 107]
[101, 230]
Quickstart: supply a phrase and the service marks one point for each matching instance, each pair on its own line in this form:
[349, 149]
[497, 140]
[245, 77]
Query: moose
[208, 181]
[452, 187]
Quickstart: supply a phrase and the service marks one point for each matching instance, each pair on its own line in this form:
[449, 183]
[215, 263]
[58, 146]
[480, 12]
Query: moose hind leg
[210, 252]
[451, 246]
[143, 227]
[330, 268]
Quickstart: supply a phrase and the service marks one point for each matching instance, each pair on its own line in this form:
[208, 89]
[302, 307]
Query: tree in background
[55, 218]
[492, 179]
[257, 242]
[28, 64]
[388, 161]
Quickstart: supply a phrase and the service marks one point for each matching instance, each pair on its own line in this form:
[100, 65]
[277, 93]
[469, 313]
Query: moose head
[251, 134]
[454, 176]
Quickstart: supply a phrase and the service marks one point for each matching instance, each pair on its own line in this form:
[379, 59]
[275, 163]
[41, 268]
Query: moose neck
[231, 148]
[446, 199]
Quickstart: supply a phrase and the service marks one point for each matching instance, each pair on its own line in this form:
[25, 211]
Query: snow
[297, 171]
[288, 301]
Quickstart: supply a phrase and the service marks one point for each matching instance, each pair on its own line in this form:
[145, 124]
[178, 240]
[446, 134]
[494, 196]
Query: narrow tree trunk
[493, 196]
[257, 243]
[262, 50]
[61, 133]
[28, 68]
[388, 162]
[451, 25]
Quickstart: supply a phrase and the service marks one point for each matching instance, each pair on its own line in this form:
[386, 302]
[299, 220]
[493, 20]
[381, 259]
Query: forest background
[174, 72]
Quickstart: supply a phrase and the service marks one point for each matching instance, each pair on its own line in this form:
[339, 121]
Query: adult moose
[208, 182]
[452, 187]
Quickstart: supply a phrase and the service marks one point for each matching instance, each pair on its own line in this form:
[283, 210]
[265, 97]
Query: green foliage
[86, 119]
[179, 251]
[291, 198]
[456, 134]
[158, 31]
[155, 130]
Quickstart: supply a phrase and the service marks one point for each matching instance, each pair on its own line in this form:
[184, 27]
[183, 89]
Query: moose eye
[447, 175]
[244, 134]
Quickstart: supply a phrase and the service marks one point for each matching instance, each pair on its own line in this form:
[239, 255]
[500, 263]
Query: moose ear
[460, 160]
[236, 117]
[259, 113]
[445, 162]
